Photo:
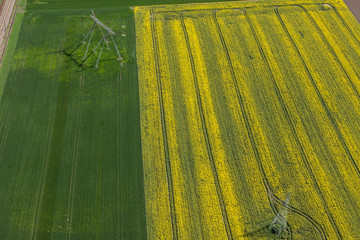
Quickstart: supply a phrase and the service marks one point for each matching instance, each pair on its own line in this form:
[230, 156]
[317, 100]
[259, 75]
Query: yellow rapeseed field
[241, 103]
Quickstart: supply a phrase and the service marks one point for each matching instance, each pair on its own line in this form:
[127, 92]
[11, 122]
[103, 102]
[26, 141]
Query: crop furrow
[292, 128]
[205, 131]
[326, 42]
[243, 112]
[70, 209]
[346, 25]
[164, 129]
[120, 166]
[41, 195]
[14, 83]
[269, 191]
[312, 221]
[247, 122]
[318, 93]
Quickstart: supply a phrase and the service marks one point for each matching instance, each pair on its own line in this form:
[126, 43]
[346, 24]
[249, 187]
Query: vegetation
[241, 103]
[70, 148]
[71, 4]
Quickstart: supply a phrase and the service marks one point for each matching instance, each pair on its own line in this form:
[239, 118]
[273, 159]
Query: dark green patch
[71, 137]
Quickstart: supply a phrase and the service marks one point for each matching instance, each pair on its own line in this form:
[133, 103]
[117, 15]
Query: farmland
[73, 4]
[70, 148]
[241, 103]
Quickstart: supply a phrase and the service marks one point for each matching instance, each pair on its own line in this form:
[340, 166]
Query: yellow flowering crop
[241, 103]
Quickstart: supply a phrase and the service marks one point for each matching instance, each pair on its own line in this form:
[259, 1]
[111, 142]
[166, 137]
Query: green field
[237, 104]
[70, 149]
[70, 4]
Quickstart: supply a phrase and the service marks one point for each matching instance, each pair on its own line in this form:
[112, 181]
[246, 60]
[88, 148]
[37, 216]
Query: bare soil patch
[354, 6]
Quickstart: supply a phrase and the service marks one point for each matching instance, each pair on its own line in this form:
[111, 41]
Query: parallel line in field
[70, 209]
[322, 100]
[10, 93]
[11, 110]
[246, 117]
[40, 194]
[343, 21]
[337, 60]
[164, 129]
[292, 128]
[74, 157]
[205, 132]
[269, 191]
[120, 166]
[13, 92]
[243, 111]
[195, 202]
[333, 121]
[272, 197]
[13, 89]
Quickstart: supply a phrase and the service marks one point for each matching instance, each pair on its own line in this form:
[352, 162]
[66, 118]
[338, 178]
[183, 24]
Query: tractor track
[323, 102]
[205, 132]
[120, 204]
[164, 129]
[245, 116]
[328, 45]
[305, 159]
[194, 183]
[12, 91]
[319, 95]
[271, 196]
[346, 25]
[70, 210]
[45, 165]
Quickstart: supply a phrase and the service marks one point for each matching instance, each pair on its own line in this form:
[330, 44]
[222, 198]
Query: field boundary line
[292, 128]
[164, 129]
[205, 131]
